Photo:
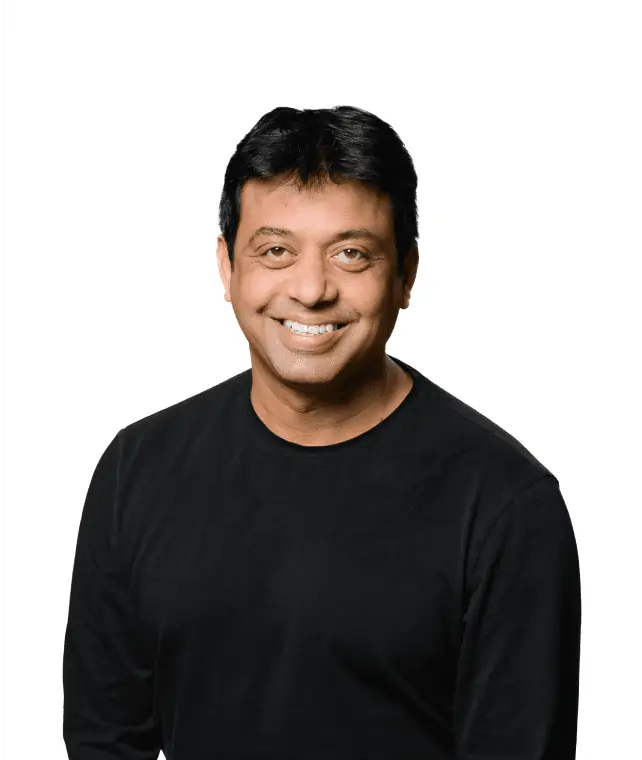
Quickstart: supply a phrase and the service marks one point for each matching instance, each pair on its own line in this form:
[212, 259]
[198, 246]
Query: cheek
[251, 294]
[365, 292]
[373, 303]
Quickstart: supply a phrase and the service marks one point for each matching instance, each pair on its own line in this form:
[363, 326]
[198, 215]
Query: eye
[274, 248]
[354, 250]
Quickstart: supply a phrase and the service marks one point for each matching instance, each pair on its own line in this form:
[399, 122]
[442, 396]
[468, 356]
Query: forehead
[267, 201]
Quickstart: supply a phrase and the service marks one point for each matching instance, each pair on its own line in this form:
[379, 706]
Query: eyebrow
[343, 235]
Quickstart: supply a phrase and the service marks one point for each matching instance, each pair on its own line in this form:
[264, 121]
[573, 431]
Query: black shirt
[413, 592]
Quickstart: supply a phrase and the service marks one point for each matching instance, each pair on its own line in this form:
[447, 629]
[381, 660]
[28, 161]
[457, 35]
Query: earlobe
[226, 291]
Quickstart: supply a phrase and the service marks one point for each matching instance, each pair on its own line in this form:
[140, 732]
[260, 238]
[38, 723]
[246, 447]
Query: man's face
[299, 269]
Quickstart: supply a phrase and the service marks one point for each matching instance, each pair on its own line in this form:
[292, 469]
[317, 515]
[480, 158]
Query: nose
[311, 280]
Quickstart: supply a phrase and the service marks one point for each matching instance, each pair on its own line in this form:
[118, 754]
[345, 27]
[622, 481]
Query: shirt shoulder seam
[505, 508]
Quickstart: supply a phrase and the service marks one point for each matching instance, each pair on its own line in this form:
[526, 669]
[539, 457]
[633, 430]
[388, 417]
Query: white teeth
[304, 329]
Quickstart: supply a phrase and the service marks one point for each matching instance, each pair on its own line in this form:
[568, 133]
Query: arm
[518, 676]
[108, 677]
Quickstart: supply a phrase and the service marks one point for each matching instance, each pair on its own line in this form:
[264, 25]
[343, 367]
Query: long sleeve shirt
[412, 592]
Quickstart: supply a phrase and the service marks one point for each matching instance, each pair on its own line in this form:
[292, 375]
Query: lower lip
[310, 340]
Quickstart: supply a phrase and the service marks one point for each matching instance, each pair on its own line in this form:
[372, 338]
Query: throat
[336, 424]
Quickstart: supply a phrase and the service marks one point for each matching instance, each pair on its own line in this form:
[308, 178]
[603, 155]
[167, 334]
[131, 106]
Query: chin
[302, 368]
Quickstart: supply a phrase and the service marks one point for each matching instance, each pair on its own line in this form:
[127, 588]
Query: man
[328, 556]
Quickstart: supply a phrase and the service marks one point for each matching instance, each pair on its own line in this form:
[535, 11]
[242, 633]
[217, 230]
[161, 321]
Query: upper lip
[313, 324]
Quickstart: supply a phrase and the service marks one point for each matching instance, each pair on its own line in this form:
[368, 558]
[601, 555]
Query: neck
[330, 415]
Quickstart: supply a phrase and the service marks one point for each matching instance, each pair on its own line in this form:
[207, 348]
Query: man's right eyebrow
[278, 231]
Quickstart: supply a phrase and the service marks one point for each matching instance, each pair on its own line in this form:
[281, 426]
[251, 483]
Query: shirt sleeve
[108, 676]
[517, 687]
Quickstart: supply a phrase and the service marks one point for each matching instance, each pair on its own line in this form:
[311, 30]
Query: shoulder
[504, 493]
[171, 432]
[480, 465]
[475, 442]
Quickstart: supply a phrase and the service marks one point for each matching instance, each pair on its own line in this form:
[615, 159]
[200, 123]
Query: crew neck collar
[276, 444]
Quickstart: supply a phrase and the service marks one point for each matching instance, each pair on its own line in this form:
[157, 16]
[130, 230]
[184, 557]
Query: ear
[224, 266]
[411, 264]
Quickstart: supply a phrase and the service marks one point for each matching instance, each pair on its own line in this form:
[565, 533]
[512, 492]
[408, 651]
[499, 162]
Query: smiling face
[315, 255]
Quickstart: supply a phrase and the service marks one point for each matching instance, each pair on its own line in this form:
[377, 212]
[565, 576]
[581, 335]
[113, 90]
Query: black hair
[310, 146]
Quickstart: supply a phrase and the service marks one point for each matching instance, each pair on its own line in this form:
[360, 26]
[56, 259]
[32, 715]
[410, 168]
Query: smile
[302, 328]
[312, 333]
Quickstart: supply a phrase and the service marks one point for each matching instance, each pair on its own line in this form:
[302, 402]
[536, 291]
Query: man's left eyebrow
[357, 233]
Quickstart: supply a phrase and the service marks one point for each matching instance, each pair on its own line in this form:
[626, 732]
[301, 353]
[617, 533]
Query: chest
[359, 568]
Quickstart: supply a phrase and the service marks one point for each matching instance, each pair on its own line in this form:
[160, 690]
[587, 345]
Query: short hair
[309, 146]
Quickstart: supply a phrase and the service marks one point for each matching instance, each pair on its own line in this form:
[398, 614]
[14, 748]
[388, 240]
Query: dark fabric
[412, 593]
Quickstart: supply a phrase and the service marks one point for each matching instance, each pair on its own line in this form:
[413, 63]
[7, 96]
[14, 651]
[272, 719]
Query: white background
[524, 122]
